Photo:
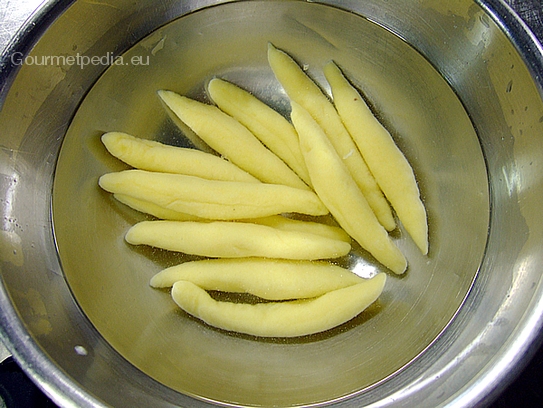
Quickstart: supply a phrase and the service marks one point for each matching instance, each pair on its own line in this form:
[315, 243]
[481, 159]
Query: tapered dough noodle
[280, 319]
[311, 227]
[337, 190]
[304, 91]
[191, 136]
[268, 125]
[231, 139]
[271, 279]
[154, 209]
[387, 163]
[275, 221]
[223, 239]
[212, 199]
[155, 156]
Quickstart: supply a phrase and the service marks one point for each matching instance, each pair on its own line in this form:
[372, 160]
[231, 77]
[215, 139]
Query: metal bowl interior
[457, 96]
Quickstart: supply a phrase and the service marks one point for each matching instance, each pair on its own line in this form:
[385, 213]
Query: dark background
[524, 390]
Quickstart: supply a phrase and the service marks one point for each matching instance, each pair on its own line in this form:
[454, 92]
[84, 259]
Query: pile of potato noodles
[235, 208]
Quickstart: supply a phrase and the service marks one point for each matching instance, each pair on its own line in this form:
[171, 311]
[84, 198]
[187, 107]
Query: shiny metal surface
[482, 189]
[531, 13]
[105, 274]
[13, 14]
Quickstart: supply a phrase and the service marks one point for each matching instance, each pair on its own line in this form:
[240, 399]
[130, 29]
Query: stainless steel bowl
[459, 86]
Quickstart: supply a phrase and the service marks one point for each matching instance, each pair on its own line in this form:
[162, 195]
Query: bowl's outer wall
[500, 318]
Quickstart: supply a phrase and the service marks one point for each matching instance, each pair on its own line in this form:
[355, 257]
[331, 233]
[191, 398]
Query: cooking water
[110, 279]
